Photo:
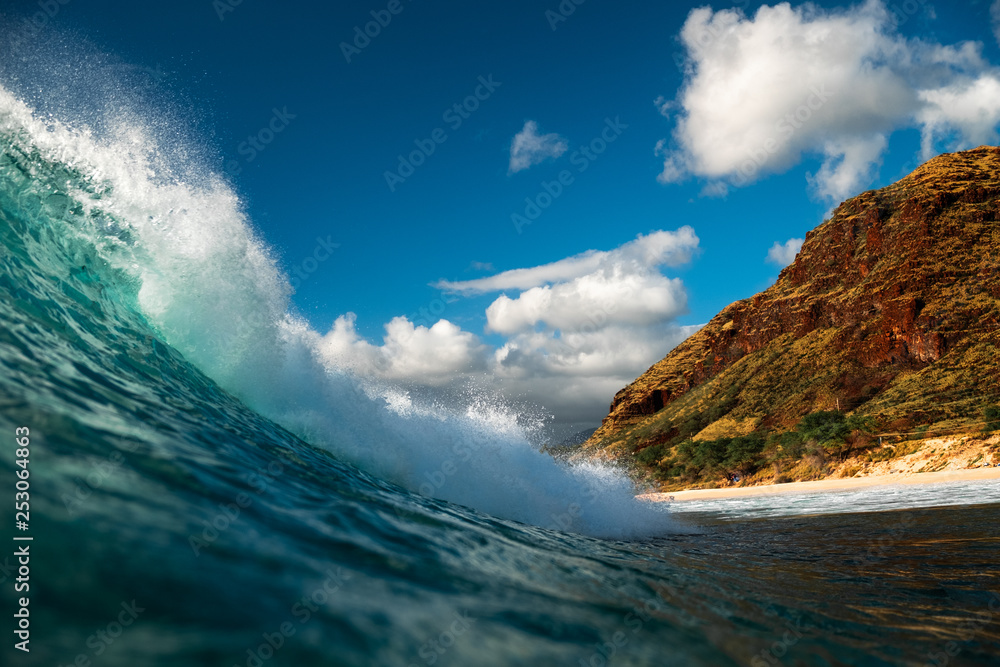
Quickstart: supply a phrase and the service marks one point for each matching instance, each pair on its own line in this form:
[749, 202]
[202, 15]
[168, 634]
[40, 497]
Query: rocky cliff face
[892, 308]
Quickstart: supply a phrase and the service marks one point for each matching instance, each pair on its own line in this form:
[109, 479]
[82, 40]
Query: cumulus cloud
[431, 355]
[579, 329]
[640, 298]
[575, 375]
[572, 332]
[762, 91]
[530, 148]
[784, 254]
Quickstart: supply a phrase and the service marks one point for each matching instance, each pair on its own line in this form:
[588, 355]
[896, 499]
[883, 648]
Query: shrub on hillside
[833, 431]
[824, 426]
[787, 445]
[743, 455]
[650, 456]
[992, 418]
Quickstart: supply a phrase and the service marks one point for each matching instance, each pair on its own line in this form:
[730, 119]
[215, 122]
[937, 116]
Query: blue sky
[657, 116]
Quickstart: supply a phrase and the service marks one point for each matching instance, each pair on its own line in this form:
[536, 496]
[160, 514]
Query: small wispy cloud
[481, 266]
[530, 148]
[665, 106]
[783, 254]
[715, 190]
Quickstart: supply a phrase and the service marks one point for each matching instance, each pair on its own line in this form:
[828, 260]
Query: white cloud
[784, 254]
[659, 248]
[610, 351]
[848, 165]
[674, 169]
[575, 375]
[621, 295]
[762, 91]
[972, 108]
[431, 356]
[573, 332]
[530, 148]
[342, 347]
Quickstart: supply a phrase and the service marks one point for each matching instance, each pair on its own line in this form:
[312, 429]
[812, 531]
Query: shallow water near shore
[865, 499]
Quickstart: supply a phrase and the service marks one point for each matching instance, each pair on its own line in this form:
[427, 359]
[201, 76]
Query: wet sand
[845, 484]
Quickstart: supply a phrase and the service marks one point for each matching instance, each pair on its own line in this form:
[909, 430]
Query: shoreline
[826, 485]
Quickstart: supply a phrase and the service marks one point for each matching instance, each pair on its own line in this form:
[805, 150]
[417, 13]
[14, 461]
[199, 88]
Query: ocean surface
[206, 488]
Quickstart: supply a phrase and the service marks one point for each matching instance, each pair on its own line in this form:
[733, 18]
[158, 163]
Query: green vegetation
[992, 417]
[834, 432]
[705, 458]
[817, 437]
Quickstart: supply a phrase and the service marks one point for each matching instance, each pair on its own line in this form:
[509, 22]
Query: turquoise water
[207, 489]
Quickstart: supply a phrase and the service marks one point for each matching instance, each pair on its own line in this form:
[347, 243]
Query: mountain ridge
[890, 310]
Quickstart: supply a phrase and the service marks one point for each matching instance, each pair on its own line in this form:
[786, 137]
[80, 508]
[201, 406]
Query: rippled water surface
[205, 492]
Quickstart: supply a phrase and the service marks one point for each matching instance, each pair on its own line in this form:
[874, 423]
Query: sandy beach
[827, 485]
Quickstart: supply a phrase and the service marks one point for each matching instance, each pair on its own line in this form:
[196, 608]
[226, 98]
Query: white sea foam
[869, 499]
